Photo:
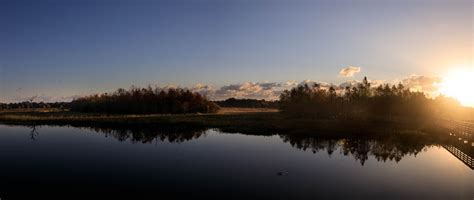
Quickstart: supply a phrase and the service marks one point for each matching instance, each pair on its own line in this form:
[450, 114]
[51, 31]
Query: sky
[57, 50]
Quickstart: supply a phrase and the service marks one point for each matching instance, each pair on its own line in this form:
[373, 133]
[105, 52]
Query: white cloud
[349, 71]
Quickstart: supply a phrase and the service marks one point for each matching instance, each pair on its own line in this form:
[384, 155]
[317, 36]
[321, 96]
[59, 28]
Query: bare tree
[33, 133]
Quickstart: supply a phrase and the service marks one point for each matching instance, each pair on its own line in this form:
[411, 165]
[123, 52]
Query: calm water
[56, 161]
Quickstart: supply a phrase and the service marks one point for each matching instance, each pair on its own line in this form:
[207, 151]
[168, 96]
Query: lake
[68, 162]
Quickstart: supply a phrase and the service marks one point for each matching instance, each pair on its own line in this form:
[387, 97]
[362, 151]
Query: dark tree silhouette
[145, 101]
[247, 103]
[362, 101]
[33, 105]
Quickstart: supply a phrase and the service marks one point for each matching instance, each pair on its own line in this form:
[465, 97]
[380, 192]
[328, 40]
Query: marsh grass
[243, 120]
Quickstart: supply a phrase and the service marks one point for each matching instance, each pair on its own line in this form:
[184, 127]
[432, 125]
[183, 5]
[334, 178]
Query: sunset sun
[458, 84]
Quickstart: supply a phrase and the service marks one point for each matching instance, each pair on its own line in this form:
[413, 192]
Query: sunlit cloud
[351, 83]
[311, 82]
[291, 83]
[349, 71]
[267, 90]
[203, 89]
[427, 84]
[354, 83]
[272, 90]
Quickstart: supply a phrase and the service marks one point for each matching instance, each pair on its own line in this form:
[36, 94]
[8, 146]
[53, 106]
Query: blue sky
[63, 48]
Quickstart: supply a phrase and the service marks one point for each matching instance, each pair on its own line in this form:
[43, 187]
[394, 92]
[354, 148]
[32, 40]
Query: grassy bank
[229, 120]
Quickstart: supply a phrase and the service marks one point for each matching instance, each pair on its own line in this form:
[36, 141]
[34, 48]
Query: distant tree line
[361, 101]
[145, 101]
[33, 105]
[247, 103]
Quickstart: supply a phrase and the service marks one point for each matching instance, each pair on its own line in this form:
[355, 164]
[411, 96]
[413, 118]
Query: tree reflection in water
[392, 147]
[150, 134]
[389, 147]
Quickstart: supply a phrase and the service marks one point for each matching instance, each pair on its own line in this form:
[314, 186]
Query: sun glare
[459, 84]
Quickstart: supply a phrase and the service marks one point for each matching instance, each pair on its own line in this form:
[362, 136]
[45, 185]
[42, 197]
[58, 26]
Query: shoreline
[231, 120]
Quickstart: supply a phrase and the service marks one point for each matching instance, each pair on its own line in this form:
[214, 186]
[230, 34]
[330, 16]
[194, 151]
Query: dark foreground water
[65, 162]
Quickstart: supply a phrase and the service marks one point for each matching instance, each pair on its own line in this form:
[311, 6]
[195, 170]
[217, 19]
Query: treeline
[362, 101]
[145, 101]
[33, 105]
[247, 103]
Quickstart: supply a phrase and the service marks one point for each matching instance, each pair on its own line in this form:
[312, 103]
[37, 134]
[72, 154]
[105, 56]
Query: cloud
[203, 89]
[353, 83]
[428, 84]
[376, 83]
[349, 71]
[311, 82]
[250, 90]
[322, 85]
[272, 90]
[266, 90]
[291, 83]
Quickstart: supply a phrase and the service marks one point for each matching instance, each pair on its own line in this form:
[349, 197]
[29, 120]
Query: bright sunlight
[459, 84]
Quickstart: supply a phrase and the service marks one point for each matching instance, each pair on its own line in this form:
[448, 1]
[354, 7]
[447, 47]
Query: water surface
[85, 162]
